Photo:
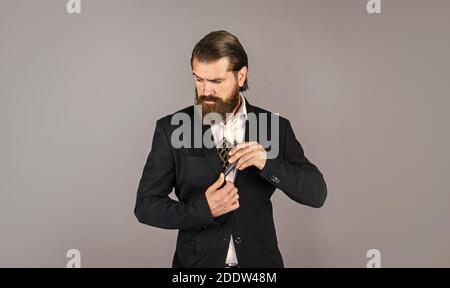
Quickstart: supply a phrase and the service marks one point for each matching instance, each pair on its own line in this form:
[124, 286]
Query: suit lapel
[242, 174]
[211, 154]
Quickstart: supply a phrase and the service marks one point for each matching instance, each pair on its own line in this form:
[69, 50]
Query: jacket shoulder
[166, 121]
[257, 110]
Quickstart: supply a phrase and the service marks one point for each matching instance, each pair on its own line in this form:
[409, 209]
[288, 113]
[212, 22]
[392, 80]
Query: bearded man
[224, 209]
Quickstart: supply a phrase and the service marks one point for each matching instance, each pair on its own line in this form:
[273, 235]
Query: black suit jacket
[202, 239]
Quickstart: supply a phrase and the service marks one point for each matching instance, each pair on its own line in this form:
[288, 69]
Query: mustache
[209, 98]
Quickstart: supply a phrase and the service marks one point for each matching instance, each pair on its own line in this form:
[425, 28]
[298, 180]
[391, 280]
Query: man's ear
[242, 75]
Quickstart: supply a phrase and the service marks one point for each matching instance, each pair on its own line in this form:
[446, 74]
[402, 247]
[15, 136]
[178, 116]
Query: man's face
[217, 89]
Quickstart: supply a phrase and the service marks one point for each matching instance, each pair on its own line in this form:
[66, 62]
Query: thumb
[216, 185]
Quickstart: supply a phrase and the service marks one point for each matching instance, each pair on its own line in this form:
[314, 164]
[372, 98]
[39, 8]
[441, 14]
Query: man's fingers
[234, 190]
[242, 145]
[240, 153]
[232, 207]
[231, 194]
[234, 198]
[227, 188]
[216, 185]
[248, 163]
[246, 157]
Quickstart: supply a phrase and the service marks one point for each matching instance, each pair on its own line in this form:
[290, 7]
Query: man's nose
[208, 90]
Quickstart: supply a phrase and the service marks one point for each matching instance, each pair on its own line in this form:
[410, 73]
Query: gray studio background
[368, 97]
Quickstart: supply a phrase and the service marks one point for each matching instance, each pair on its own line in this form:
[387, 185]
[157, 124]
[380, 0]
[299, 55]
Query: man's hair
[219, 44]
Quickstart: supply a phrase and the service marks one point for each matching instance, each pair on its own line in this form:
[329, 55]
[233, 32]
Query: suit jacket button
[200, 228]
[237, 240]
[275, 179]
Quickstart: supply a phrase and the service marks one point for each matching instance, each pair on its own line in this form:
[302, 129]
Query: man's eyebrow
[217, 79]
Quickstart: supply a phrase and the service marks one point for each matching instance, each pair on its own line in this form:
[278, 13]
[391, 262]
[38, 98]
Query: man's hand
[222, 200]
[248, 154]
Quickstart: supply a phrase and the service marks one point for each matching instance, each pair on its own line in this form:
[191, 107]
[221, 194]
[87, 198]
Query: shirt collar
[241, 113]
[243, 107]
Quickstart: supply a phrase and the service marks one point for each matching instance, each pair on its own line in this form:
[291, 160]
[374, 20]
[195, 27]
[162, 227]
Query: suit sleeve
[293, 174]
[153, 205]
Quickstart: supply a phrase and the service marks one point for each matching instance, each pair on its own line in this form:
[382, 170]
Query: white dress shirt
[233, 130]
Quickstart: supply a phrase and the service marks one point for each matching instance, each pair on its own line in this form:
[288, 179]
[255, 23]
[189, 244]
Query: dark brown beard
[221, 107]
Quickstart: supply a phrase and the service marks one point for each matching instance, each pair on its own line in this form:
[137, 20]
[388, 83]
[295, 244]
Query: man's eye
[217, 82]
